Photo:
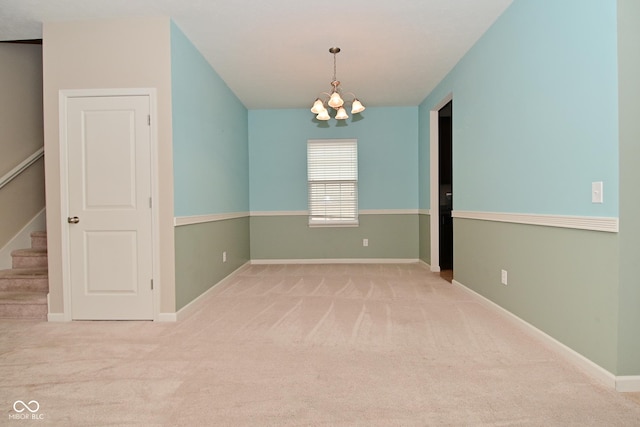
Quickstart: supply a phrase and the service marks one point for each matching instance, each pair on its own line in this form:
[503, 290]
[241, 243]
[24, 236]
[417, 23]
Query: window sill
[333, 225]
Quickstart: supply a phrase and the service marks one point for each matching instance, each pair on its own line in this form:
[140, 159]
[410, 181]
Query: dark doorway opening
[445, 186]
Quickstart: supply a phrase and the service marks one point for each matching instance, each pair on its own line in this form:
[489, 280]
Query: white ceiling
[275, 54]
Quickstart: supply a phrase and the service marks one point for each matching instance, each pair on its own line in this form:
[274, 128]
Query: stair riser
[39, 242]
[29, 261]
[23, 311]
[25, 284]
[23, 289]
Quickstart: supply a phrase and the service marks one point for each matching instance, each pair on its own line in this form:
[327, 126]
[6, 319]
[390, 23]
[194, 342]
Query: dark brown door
[445, 181]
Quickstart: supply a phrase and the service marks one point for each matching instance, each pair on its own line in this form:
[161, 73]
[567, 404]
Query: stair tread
[30, 252]
[31, 273]
[24, 288]
[14, 297]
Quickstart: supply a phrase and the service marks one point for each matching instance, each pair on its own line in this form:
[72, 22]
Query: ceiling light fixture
[334, 99]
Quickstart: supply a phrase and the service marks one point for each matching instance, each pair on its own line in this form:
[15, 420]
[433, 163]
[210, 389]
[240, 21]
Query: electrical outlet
[596, 192]
[365, 242]
[504, 277]
[224, 256]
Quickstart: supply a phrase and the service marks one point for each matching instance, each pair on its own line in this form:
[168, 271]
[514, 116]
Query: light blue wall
[535, 112]
[424, 157]
[535, 121]
[210, 136]
[387, 156]
[211, 171]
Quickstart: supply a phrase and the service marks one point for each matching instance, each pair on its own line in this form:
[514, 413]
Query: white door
[109, 207]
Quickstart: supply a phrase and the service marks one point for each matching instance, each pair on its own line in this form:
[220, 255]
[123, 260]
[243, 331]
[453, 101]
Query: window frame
[336, 174]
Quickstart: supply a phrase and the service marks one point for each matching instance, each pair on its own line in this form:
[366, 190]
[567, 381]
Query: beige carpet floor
[304, 345]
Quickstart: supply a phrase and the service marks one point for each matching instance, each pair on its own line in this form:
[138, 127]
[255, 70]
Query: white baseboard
[197, 303]
[22, 240]
[167, 317]
[56, 317]
[337, 261]
[432, 268]
[628, 383]
[587, 366]
[61, 317]
[425, 264]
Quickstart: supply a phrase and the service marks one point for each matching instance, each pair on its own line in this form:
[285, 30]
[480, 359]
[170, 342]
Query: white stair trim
[22, 240]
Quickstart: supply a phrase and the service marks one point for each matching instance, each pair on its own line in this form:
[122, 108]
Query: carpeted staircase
[24, 288]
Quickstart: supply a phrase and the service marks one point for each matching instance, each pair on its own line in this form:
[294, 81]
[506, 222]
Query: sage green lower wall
[290, 237]
[562, 281]
[424, 222]
[199, 249]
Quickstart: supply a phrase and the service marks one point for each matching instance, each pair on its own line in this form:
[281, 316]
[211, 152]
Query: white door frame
[63, 98]
[434, 200]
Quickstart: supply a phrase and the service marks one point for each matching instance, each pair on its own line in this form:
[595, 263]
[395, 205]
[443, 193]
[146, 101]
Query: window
[332, 170]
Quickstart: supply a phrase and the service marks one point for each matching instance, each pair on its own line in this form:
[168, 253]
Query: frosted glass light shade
[357, 107]
[323, 115]
[335, 101]
[342, 114]
[317, 106]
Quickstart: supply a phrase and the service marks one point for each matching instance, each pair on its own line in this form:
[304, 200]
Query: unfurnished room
[287, 213]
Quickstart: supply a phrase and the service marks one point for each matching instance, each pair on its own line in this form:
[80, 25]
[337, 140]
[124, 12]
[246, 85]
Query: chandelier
[335, 98]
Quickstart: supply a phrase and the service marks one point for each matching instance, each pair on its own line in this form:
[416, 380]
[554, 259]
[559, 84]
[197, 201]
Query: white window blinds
[332, 170]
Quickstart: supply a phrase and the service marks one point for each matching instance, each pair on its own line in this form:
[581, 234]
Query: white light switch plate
[596, 192]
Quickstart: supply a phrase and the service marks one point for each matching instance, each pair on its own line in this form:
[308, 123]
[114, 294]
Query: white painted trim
[424, 211]
[63, 97]
[155, 206]
[22, 239]
[279, 213]
[389, 212]
[123, 91]
[628, 383]
[167, 317]
[427, 265]
[609, 224]
[587, 366]
[13, 173]
[434, 202]
[362, 212]
[199, 219]
[337, 261]
[200, 301]
[56, 317]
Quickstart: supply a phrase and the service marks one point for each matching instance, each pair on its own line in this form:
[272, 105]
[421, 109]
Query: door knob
[73, 220]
